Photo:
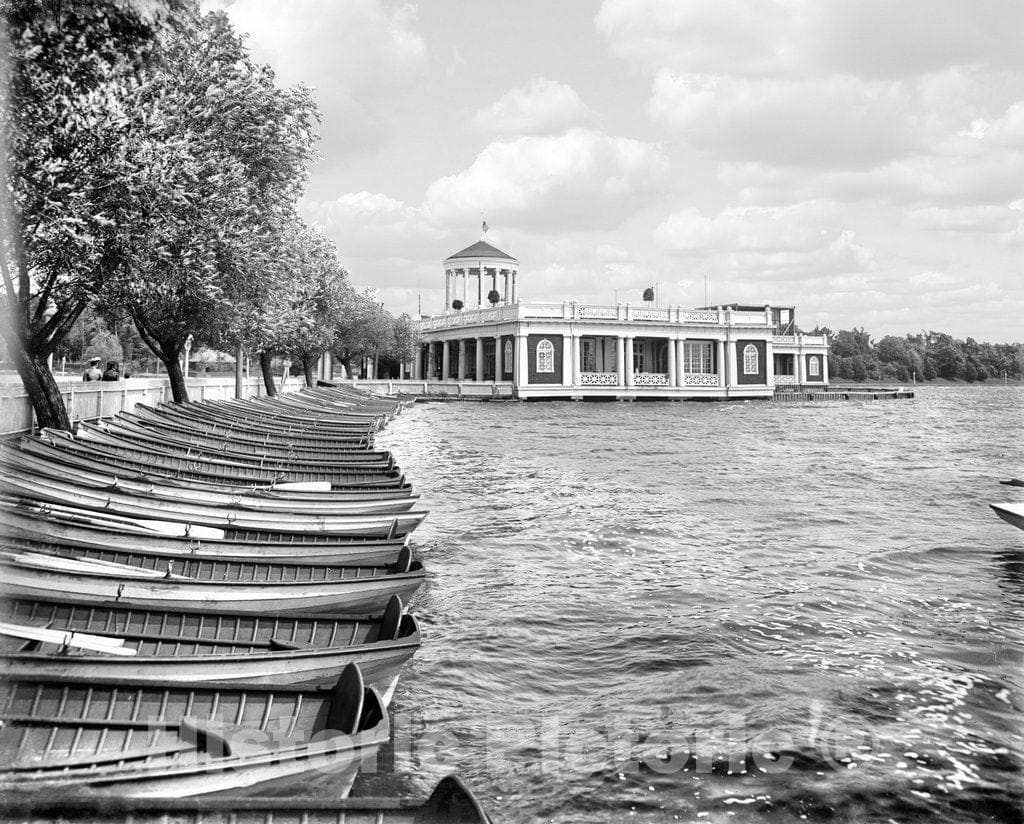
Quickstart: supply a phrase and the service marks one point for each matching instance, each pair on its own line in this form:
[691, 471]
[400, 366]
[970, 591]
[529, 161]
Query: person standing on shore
[93, 372]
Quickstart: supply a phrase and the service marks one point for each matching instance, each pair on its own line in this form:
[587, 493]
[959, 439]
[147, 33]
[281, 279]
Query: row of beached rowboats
[204, 614]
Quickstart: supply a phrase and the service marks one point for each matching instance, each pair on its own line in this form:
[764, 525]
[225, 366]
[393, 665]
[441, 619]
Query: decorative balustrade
[804, 340]
[650, 379]
[599, 379]
[700, 379]
[785, 380]
[601, 312]
[649, 314]
[698, 317]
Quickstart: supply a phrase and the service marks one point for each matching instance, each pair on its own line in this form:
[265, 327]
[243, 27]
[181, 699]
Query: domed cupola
[473, 274]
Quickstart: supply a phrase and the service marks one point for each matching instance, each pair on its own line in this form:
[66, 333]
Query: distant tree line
[152, 174]
[853, 355]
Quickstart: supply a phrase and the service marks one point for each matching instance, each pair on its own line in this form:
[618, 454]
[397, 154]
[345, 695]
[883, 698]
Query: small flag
[484, 227]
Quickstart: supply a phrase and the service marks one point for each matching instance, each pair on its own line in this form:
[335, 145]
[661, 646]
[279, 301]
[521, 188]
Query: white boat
[1011, 513]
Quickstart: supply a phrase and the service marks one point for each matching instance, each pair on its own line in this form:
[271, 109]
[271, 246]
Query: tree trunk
[239, 390]
[42, 390]
[177, 378]
[308, 362]
[268, 375]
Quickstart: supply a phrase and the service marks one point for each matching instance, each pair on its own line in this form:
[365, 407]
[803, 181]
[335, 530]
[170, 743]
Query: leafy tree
[219, 158]
[309, 298]
[67, 91]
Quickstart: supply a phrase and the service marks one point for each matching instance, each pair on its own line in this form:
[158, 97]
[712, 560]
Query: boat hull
[347, 595]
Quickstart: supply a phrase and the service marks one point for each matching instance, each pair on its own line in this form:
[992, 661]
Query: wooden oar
[1013, 482]
[80, 640]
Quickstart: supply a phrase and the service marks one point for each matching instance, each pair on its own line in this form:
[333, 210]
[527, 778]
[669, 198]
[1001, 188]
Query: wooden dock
[844, 393]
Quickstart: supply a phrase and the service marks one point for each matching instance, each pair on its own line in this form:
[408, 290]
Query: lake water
[718, 612]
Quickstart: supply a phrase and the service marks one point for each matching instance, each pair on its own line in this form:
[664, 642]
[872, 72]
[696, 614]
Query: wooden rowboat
[263, 500]
[62, 447]
[451, 802]
[256, 456]
[334, 449]
[37, 640]
[306, 436]
[1011, 513]
[125, 738]
[30, 524]
[37, 575]
[388, 525]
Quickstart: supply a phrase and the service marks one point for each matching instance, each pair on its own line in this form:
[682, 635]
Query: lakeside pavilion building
[578, 351]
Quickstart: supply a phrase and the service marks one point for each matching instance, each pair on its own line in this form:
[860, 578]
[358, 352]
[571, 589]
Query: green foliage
[854, 356]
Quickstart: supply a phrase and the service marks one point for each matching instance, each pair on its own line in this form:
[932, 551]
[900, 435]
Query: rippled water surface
[718, 612]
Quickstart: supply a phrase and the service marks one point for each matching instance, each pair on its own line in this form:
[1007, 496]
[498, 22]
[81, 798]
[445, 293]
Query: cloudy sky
[860, 159]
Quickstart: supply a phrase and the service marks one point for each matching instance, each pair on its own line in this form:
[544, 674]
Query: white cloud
[540, 106]
[359, 55]
[750, 229]
[869, 38]
[551, 184]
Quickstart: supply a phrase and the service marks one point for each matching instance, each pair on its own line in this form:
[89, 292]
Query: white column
[671, 344]
[681, 362]
[479, 359]
[461, 370]
[769, 363]
[522, 372]
[447, 289]
[720, 363]
[504, 295]
[479, 287]
[824, 368]
[799, 368]
[620, 360]
[730, 359]
[628, 346]
[577, 356]
[498, 374]
[567, 374]
[446, 366]
[515, 292]
[465, 288]
[417, 360]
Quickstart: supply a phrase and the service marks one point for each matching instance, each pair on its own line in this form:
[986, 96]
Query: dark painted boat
[130, 739]
[451, 802]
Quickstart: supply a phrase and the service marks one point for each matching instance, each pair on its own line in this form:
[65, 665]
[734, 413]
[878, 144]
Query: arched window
[545, 356]
[506, 363]
[813, 367]
[750, 359]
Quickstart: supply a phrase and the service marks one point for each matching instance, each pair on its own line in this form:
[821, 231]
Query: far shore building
[583, 351]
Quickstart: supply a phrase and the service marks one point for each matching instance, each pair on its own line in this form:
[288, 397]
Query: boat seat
[347, 703]
[278, 644]
[218, 739]
[391, 621]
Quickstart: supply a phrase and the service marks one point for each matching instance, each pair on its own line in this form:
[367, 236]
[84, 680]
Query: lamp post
[188, 349]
